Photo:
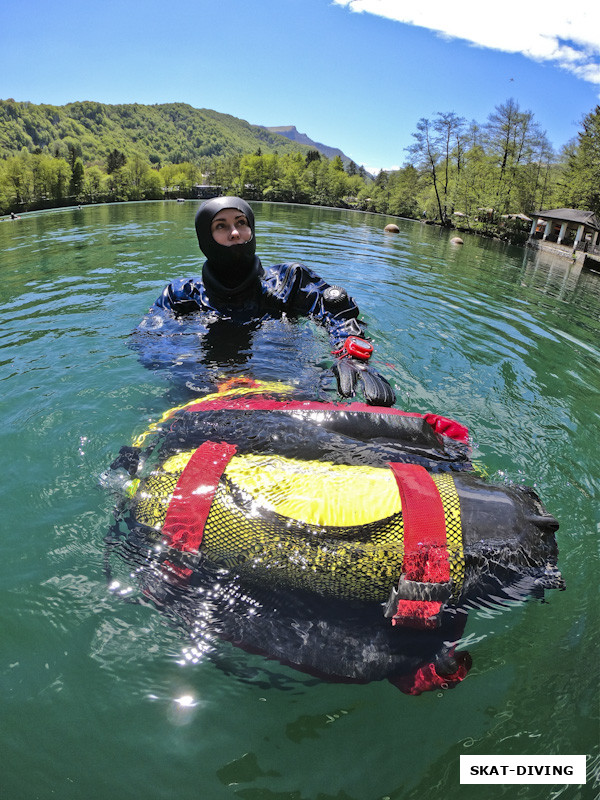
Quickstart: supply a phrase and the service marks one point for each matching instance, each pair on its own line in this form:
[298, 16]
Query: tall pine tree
[582, 176]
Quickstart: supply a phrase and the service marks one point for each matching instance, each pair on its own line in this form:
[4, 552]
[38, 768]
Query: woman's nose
[234, 233]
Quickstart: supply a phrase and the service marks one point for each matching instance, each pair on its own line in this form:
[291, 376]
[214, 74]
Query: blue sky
[354, 74]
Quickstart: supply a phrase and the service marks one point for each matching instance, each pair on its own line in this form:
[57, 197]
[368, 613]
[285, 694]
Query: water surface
[96, 701]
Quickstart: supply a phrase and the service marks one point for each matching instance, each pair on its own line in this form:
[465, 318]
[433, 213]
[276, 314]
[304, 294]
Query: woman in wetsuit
[235, 287]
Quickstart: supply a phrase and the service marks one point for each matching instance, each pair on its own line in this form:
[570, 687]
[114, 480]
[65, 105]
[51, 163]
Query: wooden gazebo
[568, 227]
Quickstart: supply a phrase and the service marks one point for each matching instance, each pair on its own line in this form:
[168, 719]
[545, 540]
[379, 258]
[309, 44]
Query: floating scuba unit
[347, 540]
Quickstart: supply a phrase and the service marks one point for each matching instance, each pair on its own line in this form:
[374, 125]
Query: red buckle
[425, 585]
[356, 347]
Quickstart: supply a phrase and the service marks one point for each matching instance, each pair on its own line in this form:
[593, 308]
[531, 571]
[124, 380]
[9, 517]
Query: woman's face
[229, 227]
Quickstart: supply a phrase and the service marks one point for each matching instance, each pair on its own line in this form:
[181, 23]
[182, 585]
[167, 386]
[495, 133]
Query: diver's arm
[182, 296]
[303, 292]
[332, 307]
[152, 338]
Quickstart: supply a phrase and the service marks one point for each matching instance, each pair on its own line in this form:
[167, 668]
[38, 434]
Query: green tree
[115, 160]
[43, 167]
[77, 174]
[439, 152]
[4, 198]
[117, 185]
[426, 151]
[62, 179]
[403, 189]
[152, 185]
[93, 186]
[449, 129]
[253, 176]
[512, 138]
[293, 186]
[134, 174]
[581, 186]
[537, 178]
[73, 148]
[476, 188]
[58, 149]
[225, 172]
[168, 176]
[18, 174]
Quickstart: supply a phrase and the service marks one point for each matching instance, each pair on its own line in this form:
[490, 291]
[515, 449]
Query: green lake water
[96, 702]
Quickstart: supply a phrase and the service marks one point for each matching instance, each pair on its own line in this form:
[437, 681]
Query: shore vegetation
[486, 176]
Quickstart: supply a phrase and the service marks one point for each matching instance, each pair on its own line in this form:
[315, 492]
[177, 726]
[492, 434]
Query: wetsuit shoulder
[301, 291]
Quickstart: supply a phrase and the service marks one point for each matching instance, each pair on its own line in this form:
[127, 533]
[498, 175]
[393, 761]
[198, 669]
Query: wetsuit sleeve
[182, 296]
[304, 292]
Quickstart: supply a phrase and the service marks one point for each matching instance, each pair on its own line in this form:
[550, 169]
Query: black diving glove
[350, 367]
[128, 460]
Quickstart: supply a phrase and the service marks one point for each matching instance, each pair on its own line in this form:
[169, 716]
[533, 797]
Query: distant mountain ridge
[292, 133]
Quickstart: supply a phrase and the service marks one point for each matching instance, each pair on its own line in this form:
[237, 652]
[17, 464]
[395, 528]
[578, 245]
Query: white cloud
[565, 34]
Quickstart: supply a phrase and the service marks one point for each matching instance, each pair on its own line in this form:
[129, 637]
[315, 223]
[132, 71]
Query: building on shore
[565, 231]
[205, 191]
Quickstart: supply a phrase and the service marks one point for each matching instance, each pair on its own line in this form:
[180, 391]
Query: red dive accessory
[355, 347]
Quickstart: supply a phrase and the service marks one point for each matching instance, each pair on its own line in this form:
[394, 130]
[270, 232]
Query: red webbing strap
[194, 494]
[425, 548]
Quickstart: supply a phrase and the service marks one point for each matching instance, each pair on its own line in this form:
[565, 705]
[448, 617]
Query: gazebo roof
[571, 215]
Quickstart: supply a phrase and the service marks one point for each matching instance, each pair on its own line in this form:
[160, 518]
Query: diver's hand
[351, 367]
[376, 390]
[128, 460]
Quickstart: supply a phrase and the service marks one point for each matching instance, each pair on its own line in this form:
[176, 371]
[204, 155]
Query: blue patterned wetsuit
[269, 293]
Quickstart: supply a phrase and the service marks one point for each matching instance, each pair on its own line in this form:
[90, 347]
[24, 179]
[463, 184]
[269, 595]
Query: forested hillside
[168, 133]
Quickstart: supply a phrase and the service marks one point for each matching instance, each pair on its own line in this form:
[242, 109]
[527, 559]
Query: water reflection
[562, 279]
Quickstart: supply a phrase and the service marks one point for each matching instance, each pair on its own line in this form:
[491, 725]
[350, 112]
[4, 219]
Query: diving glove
[350, 367]
[128, 460]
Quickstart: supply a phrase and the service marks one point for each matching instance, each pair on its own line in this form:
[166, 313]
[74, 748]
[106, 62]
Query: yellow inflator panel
[315, 492]
[332, 529]
[336, 530]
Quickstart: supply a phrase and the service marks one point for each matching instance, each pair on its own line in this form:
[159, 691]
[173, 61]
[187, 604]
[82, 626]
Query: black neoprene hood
[218, 254]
